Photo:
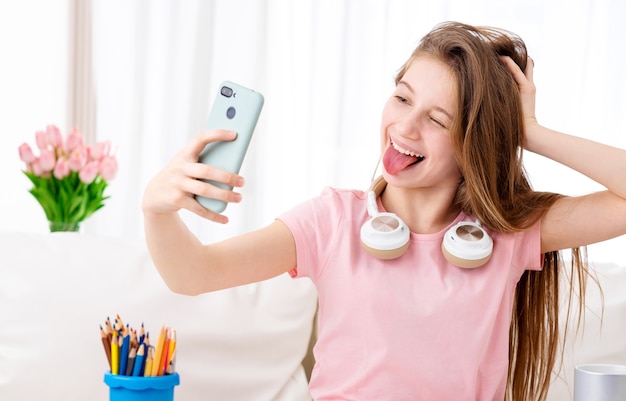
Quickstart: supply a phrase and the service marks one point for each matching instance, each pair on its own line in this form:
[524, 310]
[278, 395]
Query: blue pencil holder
[140, 388]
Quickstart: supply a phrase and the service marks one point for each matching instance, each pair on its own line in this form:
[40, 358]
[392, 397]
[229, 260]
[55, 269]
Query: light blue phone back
[245, 107]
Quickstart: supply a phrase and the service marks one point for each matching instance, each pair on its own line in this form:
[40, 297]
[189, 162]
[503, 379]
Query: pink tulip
[93, 153]
[107, 148]
[47, 160]
[26, 153]
[36, 168]
[41, 139]
[88, 173]
[74, 140]
[108, 168]
[62, 169]
[99, 150]
[53, 136]
[77, 158]
[60, 162]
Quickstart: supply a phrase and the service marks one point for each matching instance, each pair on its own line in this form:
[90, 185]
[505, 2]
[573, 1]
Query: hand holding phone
[235, 108]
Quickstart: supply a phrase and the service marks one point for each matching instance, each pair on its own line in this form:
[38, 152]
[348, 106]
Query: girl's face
[416, 137]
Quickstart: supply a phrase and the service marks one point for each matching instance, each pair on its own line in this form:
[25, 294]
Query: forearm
[601, 163]
[173, 249]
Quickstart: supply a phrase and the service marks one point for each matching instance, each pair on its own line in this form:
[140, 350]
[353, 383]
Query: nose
[408, 126]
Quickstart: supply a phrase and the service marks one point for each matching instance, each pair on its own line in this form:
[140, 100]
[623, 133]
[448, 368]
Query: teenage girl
[424, 322]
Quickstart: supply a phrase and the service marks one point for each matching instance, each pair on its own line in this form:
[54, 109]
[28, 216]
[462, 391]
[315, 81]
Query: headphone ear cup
[385, 236]
[467, 245]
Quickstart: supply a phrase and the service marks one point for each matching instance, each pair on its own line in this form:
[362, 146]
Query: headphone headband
[378, 185]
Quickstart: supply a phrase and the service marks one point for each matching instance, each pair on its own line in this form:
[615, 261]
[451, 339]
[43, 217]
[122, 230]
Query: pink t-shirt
[414, 328]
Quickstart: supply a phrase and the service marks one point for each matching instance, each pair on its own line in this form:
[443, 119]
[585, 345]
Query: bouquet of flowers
[68, 176]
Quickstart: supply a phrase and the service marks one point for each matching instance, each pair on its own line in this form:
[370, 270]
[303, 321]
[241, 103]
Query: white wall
[33, 61]
[34, 49]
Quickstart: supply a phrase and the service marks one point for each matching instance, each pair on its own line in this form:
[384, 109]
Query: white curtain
[325, 68]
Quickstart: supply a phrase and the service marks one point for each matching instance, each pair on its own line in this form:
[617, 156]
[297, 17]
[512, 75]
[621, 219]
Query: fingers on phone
[195, 207]
[215, 135]
[210, 190]
[203, 138]
[211, 173]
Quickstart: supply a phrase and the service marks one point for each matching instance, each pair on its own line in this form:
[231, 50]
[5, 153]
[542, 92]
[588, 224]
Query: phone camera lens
[230, 113]
[226, 91]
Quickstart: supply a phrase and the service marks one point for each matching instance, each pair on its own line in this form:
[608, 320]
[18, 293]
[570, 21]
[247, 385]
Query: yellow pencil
[115, 354]
[148, 368]
[158, 352]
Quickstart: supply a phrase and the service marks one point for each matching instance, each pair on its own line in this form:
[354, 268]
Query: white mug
[600, 382]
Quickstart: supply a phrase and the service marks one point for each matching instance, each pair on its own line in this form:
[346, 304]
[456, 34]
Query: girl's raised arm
[188, 266]
[582, 220]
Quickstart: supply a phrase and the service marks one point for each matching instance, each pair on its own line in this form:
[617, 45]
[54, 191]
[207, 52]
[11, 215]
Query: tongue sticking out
[394, 161]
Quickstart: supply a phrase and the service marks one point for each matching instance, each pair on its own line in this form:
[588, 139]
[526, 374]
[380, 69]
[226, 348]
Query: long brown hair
[488, 143]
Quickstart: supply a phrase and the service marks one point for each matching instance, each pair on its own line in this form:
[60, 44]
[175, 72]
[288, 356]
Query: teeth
[406, 151]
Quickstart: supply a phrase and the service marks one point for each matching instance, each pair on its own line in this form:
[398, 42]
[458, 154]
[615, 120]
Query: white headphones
[386, 236]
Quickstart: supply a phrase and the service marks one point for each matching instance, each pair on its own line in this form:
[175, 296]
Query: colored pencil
[172, 349]
[128, 351]
[124, 351]
[109, 327]
[156, 363]
[147, 371]
[132, 355]
[119, 323]
[106, 343]
[165, 354]
[115, 354]
[142, 333]
[171, 367]
[139, 359]
[134, 341]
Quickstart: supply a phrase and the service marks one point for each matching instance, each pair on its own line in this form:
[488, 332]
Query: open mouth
[397, 158]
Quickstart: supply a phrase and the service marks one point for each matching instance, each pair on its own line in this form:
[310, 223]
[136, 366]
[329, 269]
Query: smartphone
[235, 108]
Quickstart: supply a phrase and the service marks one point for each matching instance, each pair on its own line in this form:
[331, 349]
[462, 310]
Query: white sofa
[246, 343]
[242, 344]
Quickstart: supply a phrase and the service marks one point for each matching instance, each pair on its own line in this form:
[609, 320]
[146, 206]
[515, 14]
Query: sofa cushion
[56, 289]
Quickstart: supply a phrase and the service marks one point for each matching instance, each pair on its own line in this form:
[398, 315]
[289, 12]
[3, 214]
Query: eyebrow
[437, 108]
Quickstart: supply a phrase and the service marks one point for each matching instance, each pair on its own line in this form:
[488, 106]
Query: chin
[392, 179]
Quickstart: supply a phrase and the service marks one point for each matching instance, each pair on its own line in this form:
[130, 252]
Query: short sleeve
[314, 225]
[528, 254]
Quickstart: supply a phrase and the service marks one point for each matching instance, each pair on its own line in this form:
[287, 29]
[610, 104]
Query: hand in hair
[527, 89]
